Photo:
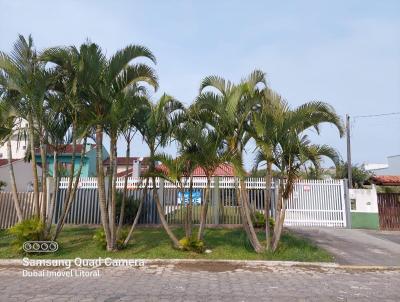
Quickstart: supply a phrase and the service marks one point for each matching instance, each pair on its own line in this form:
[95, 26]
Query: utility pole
[349, 166]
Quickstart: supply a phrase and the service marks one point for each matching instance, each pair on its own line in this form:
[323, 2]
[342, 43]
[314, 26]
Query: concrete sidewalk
[356, 247]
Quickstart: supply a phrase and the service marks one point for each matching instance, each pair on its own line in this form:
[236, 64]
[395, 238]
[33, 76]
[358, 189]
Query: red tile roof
[222, 170]
[386, 180]
[4, 161]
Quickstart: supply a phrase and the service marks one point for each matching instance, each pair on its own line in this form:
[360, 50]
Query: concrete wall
[364, 208]
[23, 175]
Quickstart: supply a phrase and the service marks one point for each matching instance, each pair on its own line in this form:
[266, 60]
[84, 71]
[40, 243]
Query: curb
[249, 263]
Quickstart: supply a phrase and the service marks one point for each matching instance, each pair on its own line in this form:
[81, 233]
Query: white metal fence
[313, 202]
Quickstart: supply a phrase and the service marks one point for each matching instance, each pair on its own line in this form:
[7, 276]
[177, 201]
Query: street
[205, 281]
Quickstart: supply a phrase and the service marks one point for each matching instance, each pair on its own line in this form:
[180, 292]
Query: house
[391, 168]
[223, 170]
[386, 180]
[65, 160]
[18, 143]
[23, 175]
[137, 166]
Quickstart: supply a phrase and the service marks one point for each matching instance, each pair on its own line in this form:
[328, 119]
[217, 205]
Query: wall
[364, 208]
[23, 175]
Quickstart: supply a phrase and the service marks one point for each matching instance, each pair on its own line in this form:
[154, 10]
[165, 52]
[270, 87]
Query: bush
[192, 244]
[259, 221]
[131, 208]
[27, 230]
[100, 238]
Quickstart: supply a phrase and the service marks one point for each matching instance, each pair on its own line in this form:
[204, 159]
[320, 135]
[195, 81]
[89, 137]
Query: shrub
[27, 230]
[100, 238]
[259, 221]
[192, 244]
[131, 208]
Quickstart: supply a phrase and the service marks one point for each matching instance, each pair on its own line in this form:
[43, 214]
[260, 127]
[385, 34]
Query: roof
[123, 161]
[222, 170]
[386, 180]
[4, 161]
[67, 149]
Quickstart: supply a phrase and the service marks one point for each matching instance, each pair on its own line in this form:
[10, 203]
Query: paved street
[206, 282]
[357, 247]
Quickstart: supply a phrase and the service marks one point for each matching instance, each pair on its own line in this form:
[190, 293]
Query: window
[353, 204]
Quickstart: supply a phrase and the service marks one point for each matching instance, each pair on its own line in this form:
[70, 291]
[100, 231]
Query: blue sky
[346, 53]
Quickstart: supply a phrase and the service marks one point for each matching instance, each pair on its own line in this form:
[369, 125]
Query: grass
[150, 243]
[227, 215]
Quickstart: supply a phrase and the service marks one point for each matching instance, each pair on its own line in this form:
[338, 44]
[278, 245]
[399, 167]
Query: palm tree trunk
[190, 209]
[267, 205]
[247, 222]
[101, 187]
[54, 196]
[43, 155]
[278, 217]
[113, 147]
[72, 169]
[204, 210]
[34, 167]
[139, 212]
[125, 192]
[162, 216]
[14, 190]
[71, 196]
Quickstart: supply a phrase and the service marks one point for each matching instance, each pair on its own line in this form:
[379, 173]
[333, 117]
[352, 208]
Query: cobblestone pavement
[204, 282]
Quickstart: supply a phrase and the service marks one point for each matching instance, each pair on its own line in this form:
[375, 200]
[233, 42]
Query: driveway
[356, 247]
[206, 282]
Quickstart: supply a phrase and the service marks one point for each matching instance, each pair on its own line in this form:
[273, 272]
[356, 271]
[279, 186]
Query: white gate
[317, 203]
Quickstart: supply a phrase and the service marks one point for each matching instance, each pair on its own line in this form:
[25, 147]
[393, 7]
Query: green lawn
[153, 243]
[227, 214]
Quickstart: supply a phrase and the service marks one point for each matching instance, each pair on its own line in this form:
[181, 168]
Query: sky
[346, 53]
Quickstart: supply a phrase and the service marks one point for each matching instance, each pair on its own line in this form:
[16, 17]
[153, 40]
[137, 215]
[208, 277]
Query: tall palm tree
[109, 79]
[280, 135]
[27, 78]
[9, 126]
[229, 111]
[158, 121]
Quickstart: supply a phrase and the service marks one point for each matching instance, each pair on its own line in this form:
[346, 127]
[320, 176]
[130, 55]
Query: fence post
[49, 193]
[346, 202]
[215, 200]
[161, 191]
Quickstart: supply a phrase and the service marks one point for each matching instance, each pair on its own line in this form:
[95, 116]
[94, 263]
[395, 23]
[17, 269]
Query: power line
[376, 115]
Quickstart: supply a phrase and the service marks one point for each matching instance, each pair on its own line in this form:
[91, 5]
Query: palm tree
[228, 111]
[27, 78]
[279, 132]
[158, 121]
[109, 79]
[9, 124]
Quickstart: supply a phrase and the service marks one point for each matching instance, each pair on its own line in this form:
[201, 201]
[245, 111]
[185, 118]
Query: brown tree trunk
[125, 192]
[101, 187]
[162, 216]
[139, 212]
[34, 166]
[190, 209]
[113, 161]
[43, 155]
[248, 223]
[204, 210]
[279, 217]
[14, 190]
[267, 200]
[50, 213]
[71, 195]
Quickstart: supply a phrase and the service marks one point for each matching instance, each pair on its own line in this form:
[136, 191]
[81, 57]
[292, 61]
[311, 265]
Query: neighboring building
[391, 168]
[137, 166]
[65, 160]
[23, 174]
[223, 170]
[18, 144]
